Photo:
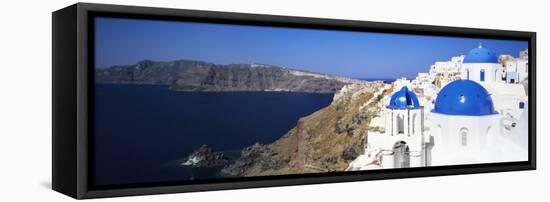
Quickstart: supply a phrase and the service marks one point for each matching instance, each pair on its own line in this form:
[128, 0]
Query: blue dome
[464, 97]
[404, 99]
[481, 55]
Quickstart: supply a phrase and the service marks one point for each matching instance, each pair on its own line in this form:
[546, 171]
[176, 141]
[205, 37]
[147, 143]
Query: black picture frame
[73, 100]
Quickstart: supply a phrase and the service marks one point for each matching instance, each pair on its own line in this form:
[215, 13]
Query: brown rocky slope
[327, 140]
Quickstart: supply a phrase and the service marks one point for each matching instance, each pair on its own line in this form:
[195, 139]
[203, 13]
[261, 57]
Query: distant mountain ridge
[190, 75]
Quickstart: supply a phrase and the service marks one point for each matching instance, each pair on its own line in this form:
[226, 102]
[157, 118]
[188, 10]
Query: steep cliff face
[187, 75]
[150, 72]
[327, 140]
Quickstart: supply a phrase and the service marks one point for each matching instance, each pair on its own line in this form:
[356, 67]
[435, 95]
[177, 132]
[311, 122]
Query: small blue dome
[464, 97]
[481, 55]
[404, 99]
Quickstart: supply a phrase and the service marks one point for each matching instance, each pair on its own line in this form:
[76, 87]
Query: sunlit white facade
[473, 109]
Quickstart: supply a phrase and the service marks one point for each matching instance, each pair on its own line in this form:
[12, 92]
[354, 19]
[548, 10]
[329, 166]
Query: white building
[481, 65]
[516, 70]
[447, 67]
[401, 82]
[503, 83]
[402, 143]
[479, 117]
[463, 123]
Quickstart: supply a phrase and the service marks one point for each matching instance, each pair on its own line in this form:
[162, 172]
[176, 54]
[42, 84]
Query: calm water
[385, 80]
[144, 132]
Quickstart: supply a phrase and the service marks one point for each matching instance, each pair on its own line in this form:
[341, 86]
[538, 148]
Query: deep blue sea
[144, 132]
[385, 80]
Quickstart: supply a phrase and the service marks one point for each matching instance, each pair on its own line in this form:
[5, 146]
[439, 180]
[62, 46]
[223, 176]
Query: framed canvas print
[154, 100]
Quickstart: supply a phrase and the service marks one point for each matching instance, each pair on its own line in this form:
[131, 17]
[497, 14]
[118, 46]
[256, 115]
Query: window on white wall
[464, 137]
[413, 125]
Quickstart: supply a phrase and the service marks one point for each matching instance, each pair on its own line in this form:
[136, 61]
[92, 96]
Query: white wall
[25, 99]
[492, 72]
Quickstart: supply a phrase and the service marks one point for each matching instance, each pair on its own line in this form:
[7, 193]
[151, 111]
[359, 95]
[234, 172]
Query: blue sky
[353, 54]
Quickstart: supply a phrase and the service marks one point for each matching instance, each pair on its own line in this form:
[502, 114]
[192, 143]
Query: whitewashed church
[480, 117]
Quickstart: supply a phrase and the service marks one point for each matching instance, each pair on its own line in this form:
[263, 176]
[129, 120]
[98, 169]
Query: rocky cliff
[204, 156]
[188, 75]
[327, 140]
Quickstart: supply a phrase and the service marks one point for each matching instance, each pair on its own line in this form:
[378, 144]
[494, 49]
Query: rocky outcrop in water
[205, 157]
[188, 75]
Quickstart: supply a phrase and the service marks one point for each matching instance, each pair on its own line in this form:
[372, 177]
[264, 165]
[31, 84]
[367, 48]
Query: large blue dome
[404, 99]
[464, 97]
[481, 55]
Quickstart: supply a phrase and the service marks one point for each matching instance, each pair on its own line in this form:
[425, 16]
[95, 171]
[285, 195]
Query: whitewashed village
[469, 110]
[472, 109]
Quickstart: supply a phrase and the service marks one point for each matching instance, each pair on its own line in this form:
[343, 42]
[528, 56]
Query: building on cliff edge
[469, 110]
